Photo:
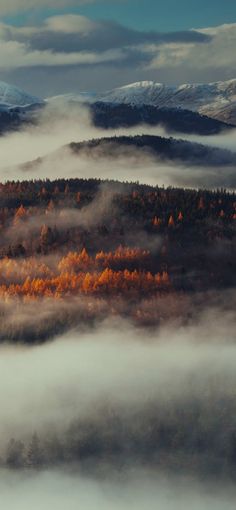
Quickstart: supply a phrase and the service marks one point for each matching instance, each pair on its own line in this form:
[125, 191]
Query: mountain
[16, 107]
[12, 97]
[158, 147]
[216, 100]
[210, 99]
[203, 109]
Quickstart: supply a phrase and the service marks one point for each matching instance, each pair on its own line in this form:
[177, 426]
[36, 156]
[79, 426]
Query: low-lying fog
[128, 373]
[72, 376]
[137, 489]
[121, 383]
[59, 126]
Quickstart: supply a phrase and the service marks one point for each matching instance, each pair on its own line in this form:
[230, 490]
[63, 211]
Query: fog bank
[59, 126]
[129, 490]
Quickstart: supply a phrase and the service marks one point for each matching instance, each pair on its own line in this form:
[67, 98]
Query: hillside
[157, 146]
[89, 243]
[173, 120]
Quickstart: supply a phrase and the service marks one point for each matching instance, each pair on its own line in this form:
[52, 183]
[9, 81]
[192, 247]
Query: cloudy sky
[73, 45]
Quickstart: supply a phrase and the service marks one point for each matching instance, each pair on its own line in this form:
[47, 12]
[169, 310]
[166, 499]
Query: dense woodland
[108, 248]
[158, 147]
[174, 120]
[98, 225]
[73, 252]
[110, 116]
[200, 436]
[73, 237]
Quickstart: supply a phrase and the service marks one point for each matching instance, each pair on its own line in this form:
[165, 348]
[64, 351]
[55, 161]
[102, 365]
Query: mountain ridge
[215, 99]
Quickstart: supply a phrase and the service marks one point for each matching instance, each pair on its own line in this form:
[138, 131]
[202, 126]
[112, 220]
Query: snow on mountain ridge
[11, 96]
[204, 98]
[159, 94]
[193, 96]
[216, 99]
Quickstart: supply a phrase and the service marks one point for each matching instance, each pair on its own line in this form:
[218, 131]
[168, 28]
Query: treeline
[160, 147]
[186, 233]
[173, 435]
[64, 191]
[108, 115]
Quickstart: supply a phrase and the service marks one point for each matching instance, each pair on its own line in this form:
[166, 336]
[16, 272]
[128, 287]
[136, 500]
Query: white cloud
[218, 52]
[14, 55]
[24, 47]
[70, 24]
[73, 40]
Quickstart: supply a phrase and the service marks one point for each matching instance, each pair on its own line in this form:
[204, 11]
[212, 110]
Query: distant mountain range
[216, 100]
[203, 109]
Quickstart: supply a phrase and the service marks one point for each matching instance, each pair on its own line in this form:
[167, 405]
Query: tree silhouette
[34, 457]
[15, 454]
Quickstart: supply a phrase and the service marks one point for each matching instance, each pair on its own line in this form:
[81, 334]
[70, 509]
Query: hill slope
[109, 115]
[159, 147]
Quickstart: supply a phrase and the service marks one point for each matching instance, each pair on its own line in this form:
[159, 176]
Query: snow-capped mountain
[216, 99]
[12, 97]
[188, 96]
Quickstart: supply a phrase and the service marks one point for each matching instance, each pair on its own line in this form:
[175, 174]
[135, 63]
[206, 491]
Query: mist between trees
[120, 395]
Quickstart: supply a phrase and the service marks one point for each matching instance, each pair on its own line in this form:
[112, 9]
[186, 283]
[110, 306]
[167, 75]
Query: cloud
[69, 24]
[16, 55]
[103, 48]
[128, 489]
[114, 365]
[74, 32]
[216, 53]
[47, 140]
[76, 40]
[167, 392]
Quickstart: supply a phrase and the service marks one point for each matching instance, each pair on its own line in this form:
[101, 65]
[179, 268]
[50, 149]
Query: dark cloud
[101, 36]
[70, 53]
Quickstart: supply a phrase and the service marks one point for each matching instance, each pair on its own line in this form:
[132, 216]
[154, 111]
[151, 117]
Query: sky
[72, 45]
[146, 14]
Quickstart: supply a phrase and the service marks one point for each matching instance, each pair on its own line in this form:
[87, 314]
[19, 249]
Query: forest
[108, 115]
[93, 248]
[173, 435]
[159, 147]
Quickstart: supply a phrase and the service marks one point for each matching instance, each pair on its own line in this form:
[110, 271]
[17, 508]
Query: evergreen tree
[15, 454]
[34, 454]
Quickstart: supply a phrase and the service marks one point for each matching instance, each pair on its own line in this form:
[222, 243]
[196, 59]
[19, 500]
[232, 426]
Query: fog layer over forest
[48, 137]
[118, 412]
[117, 306]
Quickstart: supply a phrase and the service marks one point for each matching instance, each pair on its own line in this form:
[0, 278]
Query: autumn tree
[19, 215]
[171, 222]
[156, 222]
[46, 237]
[50, 207]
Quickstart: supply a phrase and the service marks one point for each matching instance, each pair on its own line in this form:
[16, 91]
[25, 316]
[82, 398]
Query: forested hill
[115, 116]
[108, 115]
[159, 147]
[90, 245]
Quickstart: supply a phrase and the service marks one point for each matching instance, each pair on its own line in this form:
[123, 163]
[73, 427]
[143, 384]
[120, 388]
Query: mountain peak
[12, 96]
